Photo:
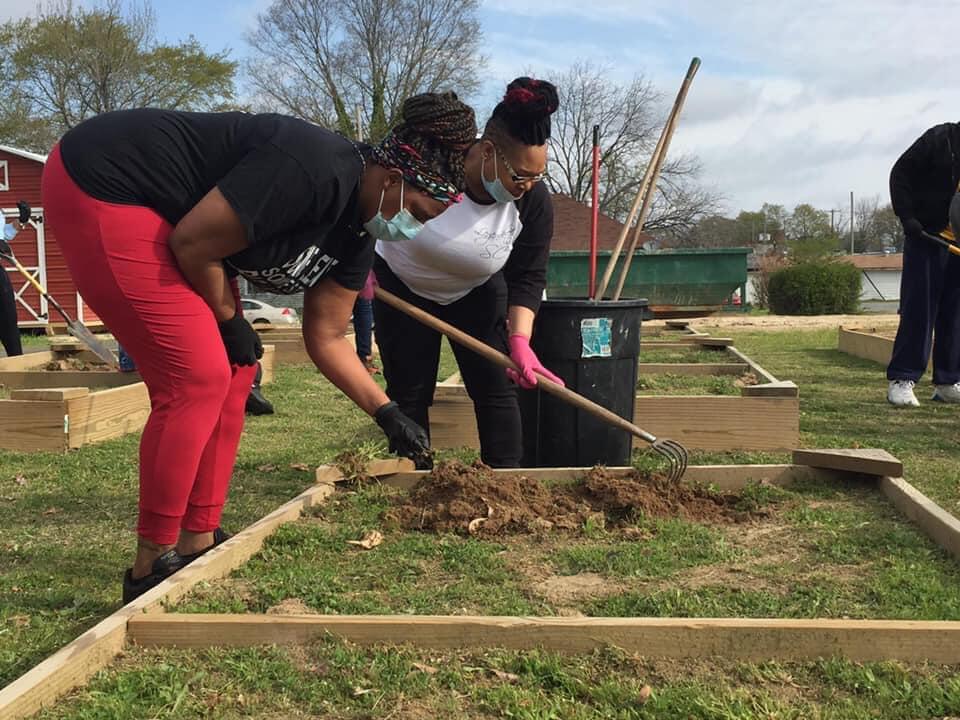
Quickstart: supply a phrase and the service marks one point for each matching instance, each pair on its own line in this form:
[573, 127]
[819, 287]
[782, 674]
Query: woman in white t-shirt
[481, 266]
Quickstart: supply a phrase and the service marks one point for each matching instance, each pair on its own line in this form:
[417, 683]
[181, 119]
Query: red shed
[35, 246]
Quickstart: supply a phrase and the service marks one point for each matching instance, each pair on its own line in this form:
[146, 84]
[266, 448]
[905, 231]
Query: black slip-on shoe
[257, 404]
[163, 567]
[219, 536]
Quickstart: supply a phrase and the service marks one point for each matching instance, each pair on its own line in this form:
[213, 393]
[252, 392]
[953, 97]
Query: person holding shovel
[481, 267]
[9, 325]
[923, 183]
[159, 211]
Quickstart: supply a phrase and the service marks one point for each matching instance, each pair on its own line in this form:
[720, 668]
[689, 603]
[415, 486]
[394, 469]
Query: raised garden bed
[837, 519]
[874, 344]
[63, 399]
[728, 403]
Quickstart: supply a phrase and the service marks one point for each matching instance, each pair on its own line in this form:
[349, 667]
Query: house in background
[35, 246]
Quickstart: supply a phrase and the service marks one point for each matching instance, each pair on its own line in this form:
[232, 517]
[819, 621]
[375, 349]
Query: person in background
[363, 323]
[158, 211]
[923, 183]
[481, 266]
[9, 325]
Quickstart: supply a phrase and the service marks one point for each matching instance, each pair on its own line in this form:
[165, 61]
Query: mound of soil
[471, 499]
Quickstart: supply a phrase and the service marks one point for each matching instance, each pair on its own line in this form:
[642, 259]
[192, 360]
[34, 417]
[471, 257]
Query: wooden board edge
[732, 639]
[72, 665]
[935, 522]
[822, 457]
[754, 366]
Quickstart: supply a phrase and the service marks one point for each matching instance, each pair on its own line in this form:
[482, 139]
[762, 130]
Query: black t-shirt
[293, 185]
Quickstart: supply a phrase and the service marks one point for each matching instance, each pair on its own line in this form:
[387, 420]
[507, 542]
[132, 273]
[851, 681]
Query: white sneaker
[947, 393]
[900, 393]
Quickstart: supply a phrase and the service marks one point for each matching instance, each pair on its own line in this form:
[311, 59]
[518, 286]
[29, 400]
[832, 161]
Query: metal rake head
[676, 454]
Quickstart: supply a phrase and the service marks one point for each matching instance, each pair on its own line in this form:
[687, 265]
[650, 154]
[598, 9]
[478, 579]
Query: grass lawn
[66, 533]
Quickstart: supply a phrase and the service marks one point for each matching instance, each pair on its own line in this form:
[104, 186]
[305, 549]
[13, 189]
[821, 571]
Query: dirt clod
[73, 364]
[471, 499]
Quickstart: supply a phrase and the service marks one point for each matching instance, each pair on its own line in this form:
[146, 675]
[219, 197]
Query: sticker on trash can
[595, 337]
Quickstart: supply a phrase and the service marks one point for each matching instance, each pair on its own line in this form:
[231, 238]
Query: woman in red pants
[158, 211]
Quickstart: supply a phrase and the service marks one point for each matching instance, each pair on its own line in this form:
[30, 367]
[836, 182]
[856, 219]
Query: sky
[796, 100]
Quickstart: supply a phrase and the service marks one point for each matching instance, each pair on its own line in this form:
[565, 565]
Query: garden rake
[673, 451]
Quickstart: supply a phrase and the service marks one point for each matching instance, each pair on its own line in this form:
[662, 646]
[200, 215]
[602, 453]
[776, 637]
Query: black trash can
[594, 347]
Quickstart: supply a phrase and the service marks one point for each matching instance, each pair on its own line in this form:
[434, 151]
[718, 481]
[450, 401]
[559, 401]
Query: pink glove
[522, 354]
[366, 292]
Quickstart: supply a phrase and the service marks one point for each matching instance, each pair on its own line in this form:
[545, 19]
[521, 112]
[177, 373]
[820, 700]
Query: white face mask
[495, 188]
[402, 226]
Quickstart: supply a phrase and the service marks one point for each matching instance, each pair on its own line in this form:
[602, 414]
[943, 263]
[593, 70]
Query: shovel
[951, 248]
[75, 327]
[673, 451]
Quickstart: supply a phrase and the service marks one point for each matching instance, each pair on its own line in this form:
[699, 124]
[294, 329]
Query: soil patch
[72, 364]
[471, 499]
[290, 606]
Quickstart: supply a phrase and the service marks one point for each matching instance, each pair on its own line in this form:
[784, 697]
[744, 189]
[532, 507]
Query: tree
[630, 122]
[323, 59]
[809, 233]
[69, 63]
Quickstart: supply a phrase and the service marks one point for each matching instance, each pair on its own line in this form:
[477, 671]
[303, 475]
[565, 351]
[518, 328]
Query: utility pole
[359, 122]
[851, 222]
[832, 228]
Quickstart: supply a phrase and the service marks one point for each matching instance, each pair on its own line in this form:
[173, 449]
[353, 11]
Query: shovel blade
[81, 333]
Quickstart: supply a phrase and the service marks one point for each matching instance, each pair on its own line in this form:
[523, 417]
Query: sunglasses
[519, 179]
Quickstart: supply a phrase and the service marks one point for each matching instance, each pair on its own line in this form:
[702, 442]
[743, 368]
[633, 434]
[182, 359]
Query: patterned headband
[393, 153]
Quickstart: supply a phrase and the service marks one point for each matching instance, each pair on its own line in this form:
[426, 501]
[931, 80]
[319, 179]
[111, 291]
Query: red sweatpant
[122, 265]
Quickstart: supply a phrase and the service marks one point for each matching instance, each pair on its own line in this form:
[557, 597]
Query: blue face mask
[495, 188]
[402, 226]
[9, 232]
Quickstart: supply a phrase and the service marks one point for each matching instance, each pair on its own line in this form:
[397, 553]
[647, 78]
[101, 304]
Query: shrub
[815, 288]
[768, 264]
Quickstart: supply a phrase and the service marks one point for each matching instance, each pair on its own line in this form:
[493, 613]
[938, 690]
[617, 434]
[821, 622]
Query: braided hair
[524, 112]
[429, 144]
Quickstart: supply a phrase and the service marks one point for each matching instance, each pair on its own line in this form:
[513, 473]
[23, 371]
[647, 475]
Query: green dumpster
[677, 283]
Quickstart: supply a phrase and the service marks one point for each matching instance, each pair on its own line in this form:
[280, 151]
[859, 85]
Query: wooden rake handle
[499, 358]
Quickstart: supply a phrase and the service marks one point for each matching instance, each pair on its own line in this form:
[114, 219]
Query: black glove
[912, 228]
[407, 439]
[241, 340]
[24, 210]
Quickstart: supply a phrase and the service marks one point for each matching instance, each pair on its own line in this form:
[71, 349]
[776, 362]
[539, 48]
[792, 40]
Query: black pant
[929, 314]
[9, 330]
[410, 353]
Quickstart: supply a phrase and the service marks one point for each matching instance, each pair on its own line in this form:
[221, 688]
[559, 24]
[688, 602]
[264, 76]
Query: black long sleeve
[526, 268]
[924, 179]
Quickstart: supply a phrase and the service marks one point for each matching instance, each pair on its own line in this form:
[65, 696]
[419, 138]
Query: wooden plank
[935, 522]
[75, 663]
[107, 414]
[59, 394]
[708, 422]
[754, 367]
[867, 346]
[267, 364]
[67, 378]
[784, 388]
[32, 425]
[27, 361]
[67, 669]
[375, 468]
[869, 461]
[726, 478]
[676, 344]
[707, 341]
[691, 369]
[290, 352]
[750, 640]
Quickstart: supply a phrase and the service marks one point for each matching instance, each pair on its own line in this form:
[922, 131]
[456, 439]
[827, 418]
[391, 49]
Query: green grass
[66, 533]
[336, 680]
[670, 384]
[693, 354]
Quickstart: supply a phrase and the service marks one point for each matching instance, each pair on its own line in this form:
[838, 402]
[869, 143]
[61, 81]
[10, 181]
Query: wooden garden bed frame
[765, 416]
[144, 620]
[64, 410]
[867, 344]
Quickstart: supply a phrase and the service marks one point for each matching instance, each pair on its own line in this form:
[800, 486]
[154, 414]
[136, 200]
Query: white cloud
[797, 100]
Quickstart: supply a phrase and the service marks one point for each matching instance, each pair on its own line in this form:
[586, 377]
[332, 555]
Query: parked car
[257, 311]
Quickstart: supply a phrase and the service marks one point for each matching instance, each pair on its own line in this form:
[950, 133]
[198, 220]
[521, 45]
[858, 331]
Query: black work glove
[241, 341]
[24, 209]
[912, 228]
[407, 439]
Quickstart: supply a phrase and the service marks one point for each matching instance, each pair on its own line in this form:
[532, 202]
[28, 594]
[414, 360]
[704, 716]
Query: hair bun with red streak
[526, 109]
